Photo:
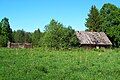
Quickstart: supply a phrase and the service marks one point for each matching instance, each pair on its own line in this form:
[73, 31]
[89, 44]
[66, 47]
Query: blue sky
[32, 14]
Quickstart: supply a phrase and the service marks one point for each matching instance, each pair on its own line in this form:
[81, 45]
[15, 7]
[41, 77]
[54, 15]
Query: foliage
[20, 36]
[76, 64]
[36, 38]
[3, 41]
[57, 36]
[5, 32]
[93, 20]
[110, 22]
[28, 37]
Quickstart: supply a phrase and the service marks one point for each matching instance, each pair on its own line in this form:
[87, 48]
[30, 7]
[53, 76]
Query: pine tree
[6, 31]
[93, 20]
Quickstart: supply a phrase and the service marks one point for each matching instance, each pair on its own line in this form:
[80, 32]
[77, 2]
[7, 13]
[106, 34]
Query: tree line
[58, 36]
[107, 20]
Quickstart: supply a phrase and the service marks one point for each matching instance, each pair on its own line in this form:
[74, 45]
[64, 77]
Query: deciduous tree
[36, 38]
[110, 22]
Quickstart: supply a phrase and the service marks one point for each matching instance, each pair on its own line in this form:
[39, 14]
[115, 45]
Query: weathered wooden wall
[19, 45]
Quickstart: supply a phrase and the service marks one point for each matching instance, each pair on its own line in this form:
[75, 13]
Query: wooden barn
[93, 39]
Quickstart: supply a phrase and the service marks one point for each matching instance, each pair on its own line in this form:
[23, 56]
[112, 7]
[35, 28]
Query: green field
[44, 64]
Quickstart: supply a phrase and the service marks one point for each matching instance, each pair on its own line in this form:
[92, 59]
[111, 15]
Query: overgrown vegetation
[56, 35]
[44, 64]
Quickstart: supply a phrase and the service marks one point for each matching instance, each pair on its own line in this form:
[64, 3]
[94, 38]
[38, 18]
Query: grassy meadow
[45, 64]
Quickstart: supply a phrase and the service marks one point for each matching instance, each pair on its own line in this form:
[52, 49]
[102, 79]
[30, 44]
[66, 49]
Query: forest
[58, 36]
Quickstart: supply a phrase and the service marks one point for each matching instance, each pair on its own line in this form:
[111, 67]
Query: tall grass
[45, 64]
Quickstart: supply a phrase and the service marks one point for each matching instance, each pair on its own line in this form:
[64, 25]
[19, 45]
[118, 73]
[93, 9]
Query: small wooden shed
[93, 39]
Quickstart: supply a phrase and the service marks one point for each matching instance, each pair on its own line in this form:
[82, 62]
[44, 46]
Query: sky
[33, 14]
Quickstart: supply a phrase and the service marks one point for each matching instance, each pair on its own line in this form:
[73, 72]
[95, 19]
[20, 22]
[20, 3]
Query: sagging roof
[93, 38]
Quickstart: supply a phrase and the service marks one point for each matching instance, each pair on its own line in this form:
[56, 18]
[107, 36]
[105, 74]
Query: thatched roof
[93, 38]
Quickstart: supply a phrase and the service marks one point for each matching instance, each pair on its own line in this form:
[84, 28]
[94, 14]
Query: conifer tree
[93, 20]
